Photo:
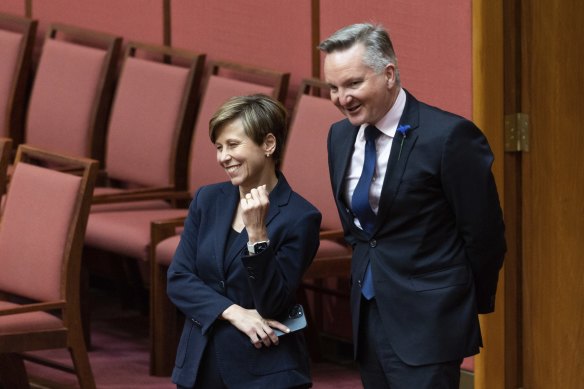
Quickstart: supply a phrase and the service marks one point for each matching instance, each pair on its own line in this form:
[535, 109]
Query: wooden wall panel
[15, 7]
[265, 33]
[432, 41]
[142, 21]
[553, 185]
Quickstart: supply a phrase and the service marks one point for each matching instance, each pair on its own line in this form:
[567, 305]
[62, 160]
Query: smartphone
[295, 320]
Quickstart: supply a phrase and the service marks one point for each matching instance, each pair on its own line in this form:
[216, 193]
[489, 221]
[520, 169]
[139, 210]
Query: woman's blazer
[204, 280]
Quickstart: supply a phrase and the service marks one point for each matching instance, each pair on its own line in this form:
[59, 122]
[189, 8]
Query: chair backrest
[5, 154]
[72, 91]
[225, 80]
[153, 115]
[305, 162]
[43, 225]
[17, 36]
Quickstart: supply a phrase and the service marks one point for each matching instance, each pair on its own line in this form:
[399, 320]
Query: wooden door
[552, 174]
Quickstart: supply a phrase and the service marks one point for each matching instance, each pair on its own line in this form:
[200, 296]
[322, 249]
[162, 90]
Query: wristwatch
[257, 247]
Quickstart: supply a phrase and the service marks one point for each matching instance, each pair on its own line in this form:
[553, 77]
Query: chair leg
[80, 359]
[13, 372]
[164, 332]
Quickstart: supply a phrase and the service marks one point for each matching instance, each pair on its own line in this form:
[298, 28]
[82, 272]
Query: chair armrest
[163, 229]
[141, 195]
[35, 307]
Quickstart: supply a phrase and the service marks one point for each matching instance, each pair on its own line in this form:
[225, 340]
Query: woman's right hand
[251, 323]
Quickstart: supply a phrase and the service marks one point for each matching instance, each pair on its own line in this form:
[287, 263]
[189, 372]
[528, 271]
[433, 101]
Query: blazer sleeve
[470, 188]
[183, 281]
[275, 274]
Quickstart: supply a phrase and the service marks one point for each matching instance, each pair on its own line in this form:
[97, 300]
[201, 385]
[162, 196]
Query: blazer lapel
[344, 151]
[398, 158]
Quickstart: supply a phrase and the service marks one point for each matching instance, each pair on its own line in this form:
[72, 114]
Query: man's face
[362, 94]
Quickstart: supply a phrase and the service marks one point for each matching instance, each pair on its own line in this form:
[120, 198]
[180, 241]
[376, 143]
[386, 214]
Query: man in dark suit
[419, 205]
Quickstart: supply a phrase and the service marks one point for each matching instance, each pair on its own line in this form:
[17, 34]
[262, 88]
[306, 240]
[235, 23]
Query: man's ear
[270, 144]
[390, 74]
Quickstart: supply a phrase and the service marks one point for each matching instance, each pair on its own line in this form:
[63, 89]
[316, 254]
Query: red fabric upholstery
[128, 232]
[25, 236]
[9, 50]
[305, 162]
[148, 101]
[125, 232]
[165, 250]
[62, 97]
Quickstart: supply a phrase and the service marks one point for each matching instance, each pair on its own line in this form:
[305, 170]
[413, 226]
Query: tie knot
[371, 133]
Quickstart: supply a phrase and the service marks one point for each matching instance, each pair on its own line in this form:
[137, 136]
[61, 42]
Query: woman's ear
[269, 144]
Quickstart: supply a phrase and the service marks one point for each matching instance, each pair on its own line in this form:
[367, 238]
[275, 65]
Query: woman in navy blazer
[244, 249]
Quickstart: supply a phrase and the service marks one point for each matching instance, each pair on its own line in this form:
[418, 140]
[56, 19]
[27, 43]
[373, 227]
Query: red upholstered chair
[224, 81]
[41, 239]
[5, 154]
[72, 90]
[149, 136]
[305, 165]
[17, 36]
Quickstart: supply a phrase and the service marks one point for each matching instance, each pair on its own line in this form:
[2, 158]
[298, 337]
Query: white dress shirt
[387, 125]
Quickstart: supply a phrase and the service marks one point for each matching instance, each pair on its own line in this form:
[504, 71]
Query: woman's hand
[250, 322]
[254, 206]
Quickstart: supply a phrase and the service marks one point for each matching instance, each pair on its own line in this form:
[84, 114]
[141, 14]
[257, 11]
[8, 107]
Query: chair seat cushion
[26, 322]
[165, 250]
[126, 232]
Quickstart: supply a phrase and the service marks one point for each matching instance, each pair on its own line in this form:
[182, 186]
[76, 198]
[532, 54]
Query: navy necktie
[360, 201]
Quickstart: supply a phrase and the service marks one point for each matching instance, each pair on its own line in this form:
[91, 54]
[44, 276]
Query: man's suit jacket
[203, 281]
[438, 242]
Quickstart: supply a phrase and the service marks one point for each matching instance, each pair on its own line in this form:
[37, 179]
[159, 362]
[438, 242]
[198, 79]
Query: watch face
[259, 247]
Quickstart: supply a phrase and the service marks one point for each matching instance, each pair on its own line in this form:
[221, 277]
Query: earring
[268, 155]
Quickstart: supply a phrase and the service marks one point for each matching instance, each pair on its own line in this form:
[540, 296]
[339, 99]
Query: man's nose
[344, 97]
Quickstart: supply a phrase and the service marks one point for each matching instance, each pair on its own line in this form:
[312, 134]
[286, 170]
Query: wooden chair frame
[70, 334]
[19, 90]
[183, 129]
[5, 156]
[281, 79]
[322, 267]
[164, 314]
[95, 146]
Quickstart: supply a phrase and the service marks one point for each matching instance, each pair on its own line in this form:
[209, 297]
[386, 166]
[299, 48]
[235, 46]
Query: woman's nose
[223, 155]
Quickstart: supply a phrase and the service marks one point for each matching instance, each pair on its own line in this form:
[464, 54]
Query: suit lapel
[398, 159]
[344, 151]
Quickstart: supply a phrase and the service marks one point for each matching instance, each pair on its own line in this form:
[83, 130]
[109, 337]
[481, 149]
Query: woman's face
[244, 161]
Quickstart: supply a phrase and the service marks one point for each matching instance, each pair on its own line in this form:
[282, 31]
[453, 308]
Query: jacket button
[359, 283]
[372, 243]
[222, 284]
